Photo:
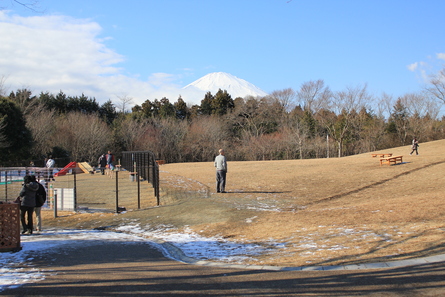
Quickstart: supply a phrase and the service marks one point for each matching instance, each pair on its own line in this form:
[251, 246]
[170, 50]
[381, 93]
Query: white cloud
[413, 66]
[53, 53]
[440, 56]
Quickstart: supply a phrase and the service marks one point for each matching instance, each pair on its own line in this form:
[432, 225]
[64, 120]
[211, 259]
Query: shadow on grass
[258, 192]
[383, 181]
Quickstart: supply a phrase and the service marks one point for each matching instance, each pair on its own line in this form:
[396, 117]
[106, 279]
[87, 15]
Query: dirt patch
[311, 212]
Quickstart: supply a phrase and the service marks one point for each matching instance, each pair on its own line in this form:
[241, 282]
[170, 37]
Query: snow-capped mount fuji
[235, 86]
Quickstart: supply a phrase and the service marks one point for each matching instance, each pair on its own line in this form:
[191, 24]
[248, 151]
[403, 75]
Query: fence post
[75, 190]
[55, 200]
[6, 186]
[117, 191]
[156, 181]
[139, 190]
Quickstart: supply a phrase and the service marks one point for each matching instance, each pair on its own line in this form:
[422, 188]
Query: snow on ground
[17, 268]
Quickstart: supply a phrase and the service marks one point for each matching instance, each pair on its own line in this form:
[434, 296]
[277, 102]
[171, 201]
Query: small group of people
[106, 161]
[31, 198]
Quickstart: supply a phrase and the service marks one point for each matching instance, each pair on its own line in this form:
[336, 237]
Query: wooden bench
[384, 155]
[391, 160]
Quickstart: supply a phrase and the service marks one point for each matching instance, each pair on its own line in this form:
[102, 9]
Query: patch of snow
[236, 87]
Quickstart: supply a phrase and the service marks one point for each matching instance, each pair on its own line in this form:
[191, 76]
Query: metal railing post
[117, 191]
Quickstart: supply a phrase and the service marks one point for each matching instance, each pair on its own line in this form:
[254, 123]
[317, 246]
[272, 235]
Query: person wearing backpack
[27, 203]
[40, 201]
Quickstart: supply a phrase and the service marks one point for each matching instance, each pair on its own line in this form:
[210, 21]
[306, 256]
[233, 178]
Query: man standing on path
[221, 171]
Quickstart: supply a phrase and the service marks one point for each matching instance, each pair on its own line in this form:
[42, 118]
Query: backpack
[40, 196]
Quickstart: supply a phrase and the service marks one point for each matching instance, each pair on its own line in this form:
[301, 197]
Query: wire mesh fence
[114, 191]
[11, 180]
[135, 184]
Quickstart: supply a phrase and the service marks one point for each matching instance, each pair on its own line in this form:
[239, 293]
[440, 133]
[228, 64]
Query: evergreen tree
[82, 104]
[206, 104]
[400, 120]
[181, 109]
[222, 103]
[24, 100]
[166, 110]
[17, 138]
[107, 111]
[147, 109]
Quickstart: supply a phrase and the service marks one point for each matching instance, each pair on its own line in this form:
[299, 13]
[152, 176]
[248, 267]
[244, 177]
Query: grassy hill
[309, 212]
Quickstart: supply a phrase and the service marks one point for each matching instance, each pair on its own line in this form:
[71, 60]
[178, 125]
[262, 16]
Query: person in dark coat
[102, 162]
[40, 200]
[27, 203]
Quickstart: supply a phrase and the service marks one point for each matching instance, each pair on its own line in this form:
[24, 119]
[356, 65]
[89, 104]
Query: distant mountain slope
[235, 86]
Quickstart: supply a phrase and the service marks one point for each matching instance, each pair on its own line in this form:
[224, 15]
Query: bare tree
[314, 96]
[286, 98]
[173, 133]
[32, 5]
[205, 136]
[41, 123]
[124, 103]
[422, 111]
[133, 133]
[437, 87]
[3, 139]
[385, 104]
[85, 136]
[345, 108]
[2, 86]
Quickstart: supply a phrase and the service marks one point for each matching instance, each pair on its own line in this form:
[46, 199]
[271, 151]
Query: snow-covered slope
[235, 86]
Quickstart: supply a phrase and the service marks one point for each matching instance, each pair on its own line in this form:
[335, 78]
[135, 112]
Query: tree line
[311, 122]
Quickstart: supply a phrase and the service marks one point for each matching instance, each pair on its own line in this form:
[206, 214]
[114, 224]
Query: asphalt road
[116, 268]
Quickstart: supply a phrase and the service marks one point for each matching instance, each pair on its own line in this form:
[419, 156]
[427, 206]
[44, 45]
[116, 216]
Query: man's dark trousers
[220, 181]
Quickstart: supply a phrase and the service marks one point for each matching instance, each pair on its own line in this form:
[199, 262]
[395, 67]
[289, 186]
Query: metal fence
[142, 164]
[127, 187]
[11, 180]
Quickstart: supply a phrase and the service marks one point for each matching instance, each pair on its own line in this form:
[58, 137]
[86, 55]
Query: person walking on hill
[221, 171]
[27, 203]
[414, 146]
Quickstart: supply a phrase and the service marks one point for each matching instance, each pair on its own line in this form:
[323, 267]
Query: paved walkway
[105, 268]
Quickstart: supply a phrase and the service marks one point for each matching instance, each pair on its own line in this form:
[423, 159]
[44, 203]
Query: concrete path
[116, 268]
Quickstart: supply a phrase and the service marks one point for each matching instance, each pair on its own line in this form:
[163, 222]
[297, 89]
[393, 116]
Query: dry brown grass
[323, 211]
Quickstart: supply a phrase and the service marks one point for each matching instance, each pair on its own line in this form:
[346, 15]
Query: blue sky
[150, 49]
